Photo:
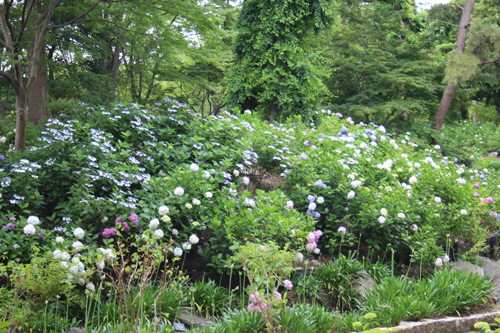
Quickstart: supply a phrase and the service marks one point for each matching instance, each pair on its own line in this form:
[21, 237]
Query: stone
[362, 285]
[467, 266]
[444, 325]
[191, 319]
[491, 268]
[76, 330]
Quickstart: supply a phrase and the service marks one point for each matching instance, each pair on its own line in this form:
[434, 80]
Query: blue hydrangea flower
[311, 198]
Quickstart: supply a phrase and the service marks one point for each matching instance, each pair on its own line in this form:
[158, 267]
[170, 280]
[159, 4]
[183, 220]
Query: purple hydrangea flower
[303, 156]
[320, 183]
[41, 235]
[137, 225]
[2, 158]
[125, 226]
[12, 219]
[113, 231]
[106, 233]
[311, 198]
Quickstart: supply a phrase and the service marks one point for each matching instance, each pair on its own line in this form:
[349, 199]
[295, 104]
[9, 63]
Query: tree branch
[76, 19]
[444, 22]
[115, 24]
[462, 8]
[490, 61]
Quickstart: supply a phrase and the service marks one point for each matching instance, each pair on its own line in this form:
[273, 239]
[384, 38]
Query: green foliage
[275, 72]
[398, 298]
[338, 277]
[209, 298]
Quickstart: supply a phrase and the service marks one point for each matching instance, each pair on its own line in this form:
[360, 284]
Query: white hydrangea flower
[194, 167]
[3, 139]
[65, 256]
[153, 224]
[33, 220]
[289, 204]
[233, 192]
[208, 195]
[57, 254]
[90, 286]
[245, 181]
[355, 183]
[206, 174]
[461, 181]
[320, 200]
[77, 246]
[179, 191]
[381, 220]
[29, 229]
[310, 247]
[193, 239]
[79, 233]
[159, 233]
[312, 206]
[299, 257]
[317, 251]
[59, 240]
[163, 210]
[383, 211]
[196, 202]
[100, 265]
[437, 200]
[401, 216]
[178, 252]
[351, 195]
[236, 173]
[186, 246]
[412, 180]
[416, 165]
[463, 212]
[175, 232]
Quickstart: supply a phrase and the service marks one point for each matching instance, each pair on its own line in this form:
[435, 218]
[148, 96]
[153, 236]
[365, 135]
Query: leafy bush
[338, 277]
[398, 298]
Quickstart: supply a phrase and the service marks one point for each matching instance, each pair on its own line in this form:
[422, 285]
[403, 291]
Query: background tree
[275, 71]
[379, 68]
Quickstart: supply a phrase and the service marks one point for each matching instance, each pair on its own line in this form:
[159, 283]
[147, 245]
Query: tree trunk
[272, 113]
[113, 64]
[449, 92]
[38, 94]
[21, 119]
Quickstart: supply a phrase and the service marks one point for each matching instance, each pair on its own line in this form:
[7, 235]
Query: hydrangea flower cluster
[313, 238]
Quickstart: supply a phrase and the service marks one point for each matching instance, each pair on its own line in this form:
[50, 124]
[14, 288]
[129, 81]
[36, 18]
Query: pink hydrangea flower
[12, 219]
[476, 185]
[493, 214]
[133, 217]
[317, 235]
[118, 219]
[476, 195]
[439, 262]
[113, 231]
[489, 200]
[311, 237]
[288, 284]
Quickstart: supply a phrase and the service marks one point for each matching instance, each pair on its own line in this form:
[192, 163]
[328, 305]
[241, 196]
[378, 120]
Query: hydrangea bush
[168, 172]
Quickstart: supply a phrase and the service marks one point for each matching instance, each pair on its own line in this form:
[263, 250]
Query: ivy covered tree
[275, 71]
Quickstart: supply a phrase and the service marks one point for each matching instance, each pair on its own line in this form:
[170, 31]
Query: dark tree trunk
[38, 92]
[21, 118]
[449, 92]
[272, 112]
[113, 64]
